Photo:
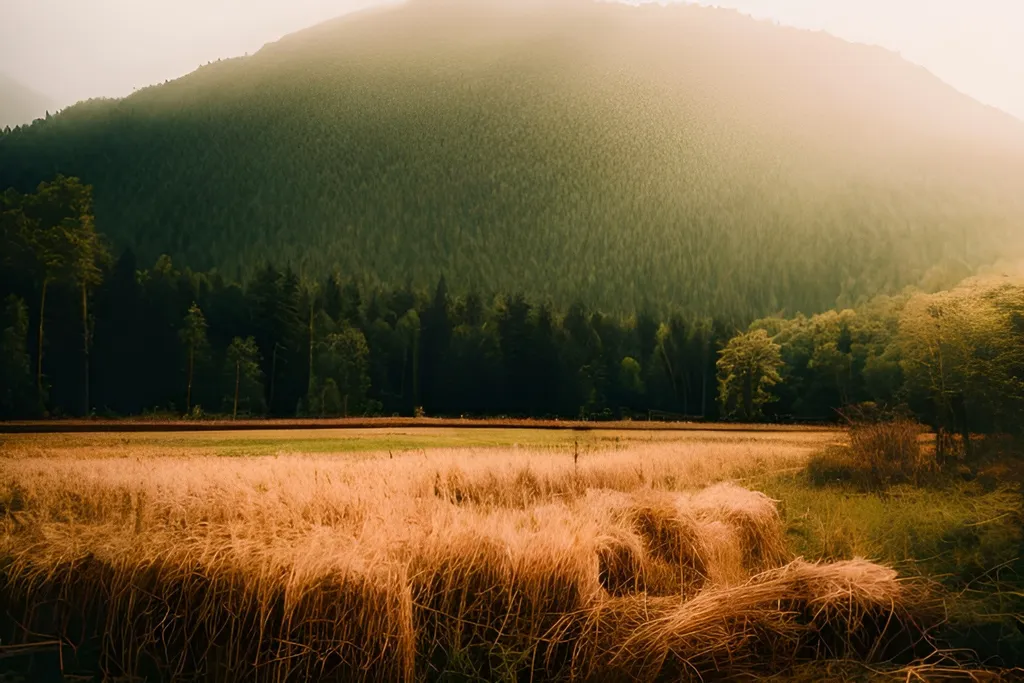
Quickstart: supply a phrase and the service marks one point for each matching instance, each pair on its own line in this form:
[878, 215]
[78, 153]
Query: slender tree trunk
[238, 373]
[86, 343]
[671, 374]
[309, 382]
[188, 390]
[39, 350]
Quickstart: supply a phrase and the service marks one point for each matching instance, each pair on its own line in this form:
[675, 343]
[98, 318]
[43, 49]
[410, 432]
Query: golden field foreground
[405, 556]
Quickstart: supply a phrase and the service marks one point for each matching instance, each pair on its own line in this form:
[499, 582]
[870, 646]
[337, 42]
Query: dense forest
[84, 333]
[661, 158]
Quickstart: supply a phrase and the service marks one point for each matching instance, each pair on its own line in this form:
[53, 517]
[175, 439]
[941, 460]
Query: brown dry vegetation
[645, 561]
[878, 454]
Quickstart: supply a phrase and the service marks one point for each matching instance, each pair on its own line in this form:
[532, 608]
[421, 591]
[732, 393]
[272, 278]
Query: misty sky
[75, 49]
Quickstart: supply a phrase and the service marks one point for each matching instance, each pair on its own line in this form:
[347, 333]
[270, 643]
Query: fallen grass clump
[799, 612]
[491, 565]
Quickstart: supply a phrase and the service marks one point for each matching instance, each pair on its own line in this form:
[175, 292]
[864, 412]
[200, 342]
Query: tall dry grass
[644, 562]
[878, 454]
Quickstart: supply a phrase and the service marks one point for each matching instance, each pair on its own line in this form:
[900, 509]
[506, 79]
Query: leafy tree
[341, 367]
[961, 351]
[631, 380]
[747, 368]
[57, 226]
[87, 255]
[243, 365]
[193, 336]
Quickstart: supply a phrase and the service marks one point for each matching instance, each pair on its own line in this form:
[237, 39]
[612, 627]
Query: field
[449, 553]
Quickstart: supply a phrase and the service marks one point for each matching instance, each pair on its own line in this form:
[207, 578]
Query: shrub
[892, 451]
[879, 454]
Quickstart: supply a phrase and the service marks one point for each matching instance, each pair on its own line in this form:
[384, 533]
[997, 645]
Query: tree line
[84, 333]
[953, 359]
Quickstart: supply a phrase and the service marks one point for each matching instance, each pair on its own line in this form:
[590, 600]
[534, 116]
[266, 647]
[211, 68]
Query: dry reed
[497, 563]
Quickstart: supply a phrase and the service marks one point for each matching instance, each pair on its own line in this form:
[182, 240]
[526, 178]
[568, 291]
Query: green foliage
[49, 237]
[684, 156]
[61, 234]
[632, 376]
[324, 399]
[193, 332]
[340, 346]
[245, 376]
[962, 352]
[193, 338]
[747, 368]
[341, 374]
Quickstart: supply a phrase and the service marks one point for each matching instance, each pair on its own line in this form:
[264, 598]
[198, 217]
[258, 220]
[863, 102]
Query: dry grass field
[416, 555]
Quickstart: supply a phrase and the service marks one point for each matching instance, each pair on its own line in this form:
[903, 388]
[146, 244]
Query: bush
[879, 454]
[892, 451]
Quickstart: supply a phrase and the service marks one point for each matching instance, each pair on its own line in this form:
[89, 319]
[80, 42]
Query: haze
[71, 50]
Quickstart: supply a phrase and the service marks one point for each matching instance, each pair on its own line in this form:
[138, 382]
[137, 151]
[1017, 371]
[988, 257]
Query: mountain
[19, 104]
[622, 155]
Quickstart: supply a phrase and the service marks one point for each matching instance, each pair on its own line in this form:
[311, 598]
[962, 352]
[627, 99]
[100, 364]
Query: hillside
[685, 156]
[19, 104]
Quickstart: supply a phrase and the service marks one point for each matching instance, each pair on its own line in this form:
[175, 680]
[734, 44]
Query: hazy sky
[74, 49]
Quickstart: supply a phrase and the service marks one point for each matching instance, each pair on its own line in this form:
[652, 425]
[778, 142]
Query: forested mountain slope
[19, 104]
[684, 156]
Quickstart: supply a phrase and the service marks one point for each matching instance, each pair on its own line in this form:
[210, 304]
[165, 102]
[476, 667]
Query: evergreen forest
[628, 158]
[85, 333]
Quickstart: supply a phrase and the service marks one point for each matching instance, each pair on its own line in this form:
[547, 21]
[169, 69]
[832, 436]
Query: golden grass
[647, 561]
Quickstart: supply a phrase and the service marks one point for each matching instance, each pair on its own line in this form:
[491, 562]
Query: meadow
[495, 554]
